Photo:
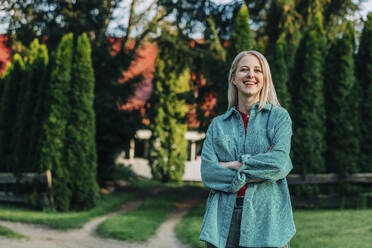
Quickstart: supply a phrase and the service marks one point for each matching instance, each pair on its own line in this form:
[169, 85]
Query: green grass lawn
[188, 230]
[68, 220]
[141, 223]
[333, 228]
[4, 231]
[315, 228]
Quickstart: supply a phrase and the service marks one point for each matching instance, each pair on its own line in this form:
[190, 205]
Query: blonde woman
[245, 161]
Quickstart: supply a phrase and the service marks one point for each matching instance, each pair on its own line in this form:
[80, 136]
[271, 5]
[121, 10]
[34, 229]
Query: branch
[140, 16]
[130, 23]
[217, 42]
[160, 15]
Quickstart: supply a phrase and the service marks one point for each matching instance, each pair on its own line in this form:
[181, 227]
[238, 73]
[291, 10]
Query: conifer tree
[35, 75]
[54, 128]
[308, 100]
[341, 107]
[8, 111]
[242, 35]
[39, 87]
[168, 147]
[364, 77]
[279, 71]
[81, 158]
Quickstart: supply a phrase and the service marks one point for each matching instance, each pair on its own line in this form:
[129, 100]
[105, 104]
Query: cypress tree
[168, 147]
[54, 128]
[8, 111]
[81, 158]
[36, 69]
[38, 98]
[242, 35]
[309, 118]
[364, 77]
[279, 71]
[341, 107]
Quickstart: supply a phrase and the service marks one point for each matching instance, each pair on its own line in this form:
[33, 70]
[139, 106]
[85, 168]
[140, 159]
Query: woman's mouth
[249, 83]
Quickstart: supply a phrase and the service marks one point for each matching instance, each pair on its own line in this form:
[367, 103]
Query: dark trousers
[234, 232]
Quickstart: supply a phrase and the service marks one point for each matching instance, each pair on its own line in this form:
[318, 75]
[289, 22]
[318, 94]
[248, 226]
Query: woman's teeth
[248, 83]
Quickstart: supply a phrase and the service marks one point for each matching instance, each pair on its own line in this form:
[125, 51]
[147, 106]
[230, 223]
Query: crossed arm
[230, 176]
[235, 165]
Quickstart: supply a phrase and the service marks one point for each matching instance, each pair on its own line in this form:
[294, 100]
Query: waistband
[239, 202]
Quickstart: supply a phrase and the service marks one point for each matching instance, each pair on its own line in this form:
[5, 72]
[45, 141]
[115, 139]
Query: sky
[366, 7]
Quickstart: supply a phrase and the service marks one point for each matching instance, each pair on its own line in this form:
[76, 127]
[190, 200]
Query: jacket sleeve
[213, 175]
[275, 164]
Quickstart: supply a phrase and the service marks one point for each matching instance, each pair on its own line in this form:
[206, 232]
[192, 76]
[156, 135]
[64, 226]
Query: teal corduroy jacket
[267, 219]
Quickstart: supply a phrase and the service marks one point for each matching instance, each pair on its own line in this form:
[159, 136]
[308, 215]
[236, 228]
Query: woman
[245, 161]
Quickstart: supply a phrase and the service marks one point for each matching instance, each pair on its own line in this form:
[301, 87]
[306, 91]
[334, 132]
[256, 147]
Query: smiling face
[248, 77]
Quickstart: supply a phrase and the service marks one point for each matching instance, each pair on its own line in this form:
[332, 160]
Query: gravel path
[42, 236]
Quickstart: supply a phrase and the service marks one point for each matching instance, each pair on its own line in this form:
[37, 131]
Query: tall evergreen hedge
[168, 146]
[242, 34]
[279, 71]
[81, 158]
[342, 134]
[39, 87]
[53, 152]
[308, 101]
[9, 111]
[364, 77]
[35, 75]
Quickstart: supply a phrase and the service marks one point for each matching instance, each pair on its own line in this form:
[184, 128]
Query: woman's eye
[257, 70]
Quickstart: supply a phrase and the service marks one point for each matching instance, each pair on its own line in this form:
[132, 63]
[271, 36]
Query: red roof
[4, 53]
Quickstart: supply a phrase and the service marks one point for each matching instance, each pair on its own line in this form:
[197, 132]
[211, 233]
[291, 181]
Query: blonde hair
[267, 93]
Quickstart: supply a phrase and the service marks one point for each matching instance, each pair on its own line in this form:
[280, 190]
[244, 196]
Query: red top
[241, 192]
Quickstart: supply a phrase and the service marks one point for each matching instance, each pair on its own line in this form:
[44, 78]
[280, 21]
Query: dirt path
[41, 236]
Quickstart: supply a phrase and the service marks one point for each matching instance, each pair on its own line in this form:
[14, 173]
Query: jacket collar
[254, 108]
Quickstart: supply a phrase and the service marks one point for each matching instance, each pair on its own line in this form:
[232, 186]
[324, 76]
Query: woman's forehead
[249, 60]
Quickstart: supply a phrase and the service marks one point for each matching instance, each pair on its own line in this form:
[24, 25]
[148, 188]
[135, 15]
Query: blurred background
[101, 95]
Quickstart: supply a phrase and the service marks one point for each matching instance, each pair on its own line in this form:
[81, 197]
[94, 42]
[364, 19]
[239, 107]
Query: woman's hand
[235, 165]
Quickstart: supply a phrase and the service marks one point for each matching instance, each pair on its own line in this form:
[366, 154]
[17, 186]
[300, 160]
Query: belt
[239, 202]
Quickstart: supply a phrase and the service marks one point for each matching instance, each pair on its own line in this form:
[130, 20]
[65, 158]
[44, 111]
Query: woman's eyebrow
[245, 66]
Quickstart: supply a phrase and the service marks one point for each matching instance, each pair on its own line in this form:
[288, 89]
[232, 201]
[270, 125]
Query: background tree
[242, 37]
[282, 30]
[279, 72]
[53, 151]
[81, 157]
[168, 146]
[8, 111]
[364, 76]
[39, 83]
[308, 101]
[35, 75]
[342, 134]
